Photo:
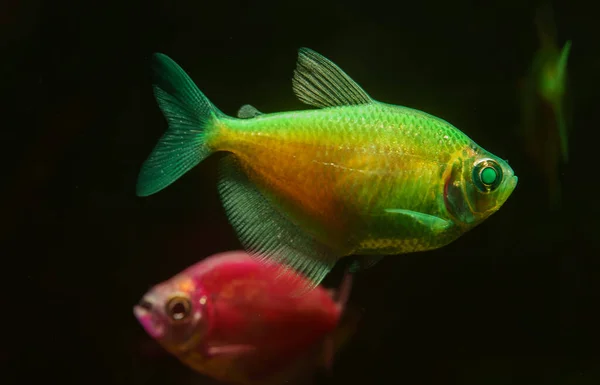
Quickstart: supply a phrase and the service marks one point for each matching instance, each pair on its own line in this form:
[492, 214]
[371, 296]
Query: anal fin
[265, 231]
[364, 262]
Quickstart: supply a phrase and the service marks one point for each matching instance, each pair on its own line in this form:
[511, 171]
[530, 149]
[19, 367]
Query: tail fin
[189, 115]
[560, 118]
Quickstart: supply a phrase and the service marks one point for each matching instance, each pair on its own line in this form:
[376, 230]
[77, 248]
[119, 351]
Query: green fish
[354, 177]
[545, 112]
[550, 72]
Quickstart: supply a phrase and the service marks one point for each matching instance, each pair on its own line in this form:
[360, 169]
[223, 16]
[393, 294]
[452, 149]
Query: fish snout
[511, 180]
[144, 312]
[511, 184]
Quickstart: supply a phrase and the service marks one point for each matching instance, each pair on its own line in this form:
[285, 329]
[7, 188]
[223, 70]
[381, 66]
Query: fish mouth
[144, 314]
[512, 184]
[509, 187]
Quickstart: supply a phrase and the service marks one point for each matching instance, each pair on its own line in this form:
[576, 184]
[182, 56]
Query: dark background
[514, 301]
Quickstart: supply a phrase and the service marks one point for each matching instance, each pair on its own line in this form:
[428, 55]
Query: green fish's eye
[487, 175]
[178, 308]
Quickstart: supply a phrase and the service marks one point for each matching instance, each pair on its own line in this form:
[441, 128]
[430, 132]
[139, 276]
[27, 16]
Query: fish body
[229, 318]
[344, 167]
[355, 176]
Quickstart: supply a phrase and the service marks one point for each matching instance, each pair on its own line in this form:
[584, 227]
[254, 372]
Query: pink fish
[229, 318]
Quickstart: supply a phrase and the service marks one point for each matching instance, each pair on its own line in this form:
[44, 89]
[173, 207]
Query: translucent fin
[247, 111]
[319, 82]
[562, 61]
[343, 292]
[364, 262]
[432, 222]
[265, 232]
[228, 350]
[560, 119]
[189, 115]
[328, 355]
[343, 295]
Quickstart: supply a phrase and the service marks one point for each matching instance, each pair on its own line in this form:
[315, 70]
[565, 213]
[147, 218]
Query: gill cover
[477, 187]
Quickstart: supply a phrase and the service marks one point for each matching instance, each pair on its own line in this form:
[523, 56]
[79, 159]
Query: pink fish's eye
[179, 308]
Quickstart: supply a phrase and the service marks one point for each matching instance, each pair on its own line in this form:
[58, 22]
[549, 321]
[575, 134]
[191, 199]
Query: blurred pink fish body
[228, 317]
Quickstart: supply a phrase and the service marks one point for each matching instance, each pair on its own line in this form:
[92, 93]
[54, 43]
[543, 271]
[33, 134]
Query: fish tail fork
[191, 118]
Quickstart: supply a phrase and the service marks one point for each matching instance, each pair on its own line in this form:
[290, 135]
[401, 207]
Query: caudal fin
[560, 118]
[190, 116]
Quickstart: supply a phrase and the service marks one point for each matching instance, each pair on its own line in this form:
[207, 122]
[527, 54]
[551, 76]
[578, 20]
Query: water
[514, 301]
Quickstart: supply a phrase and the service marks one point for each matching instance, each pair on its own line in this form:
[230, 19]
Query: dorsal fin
[562, 61]
[247, 111]
[319, 82]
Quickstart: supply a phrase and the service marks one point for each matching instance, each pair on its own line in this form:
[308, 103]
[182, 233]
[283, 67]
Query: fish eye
[178, 308]
[487, 175]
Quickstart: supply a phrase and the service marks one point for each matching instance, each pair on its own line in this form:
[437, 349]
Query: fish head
[477, 186]
[176, 313]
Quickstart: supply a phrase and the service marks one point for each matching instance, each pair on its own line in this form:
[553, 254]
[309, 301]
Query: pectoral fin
[431, 222]
[228, 350]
